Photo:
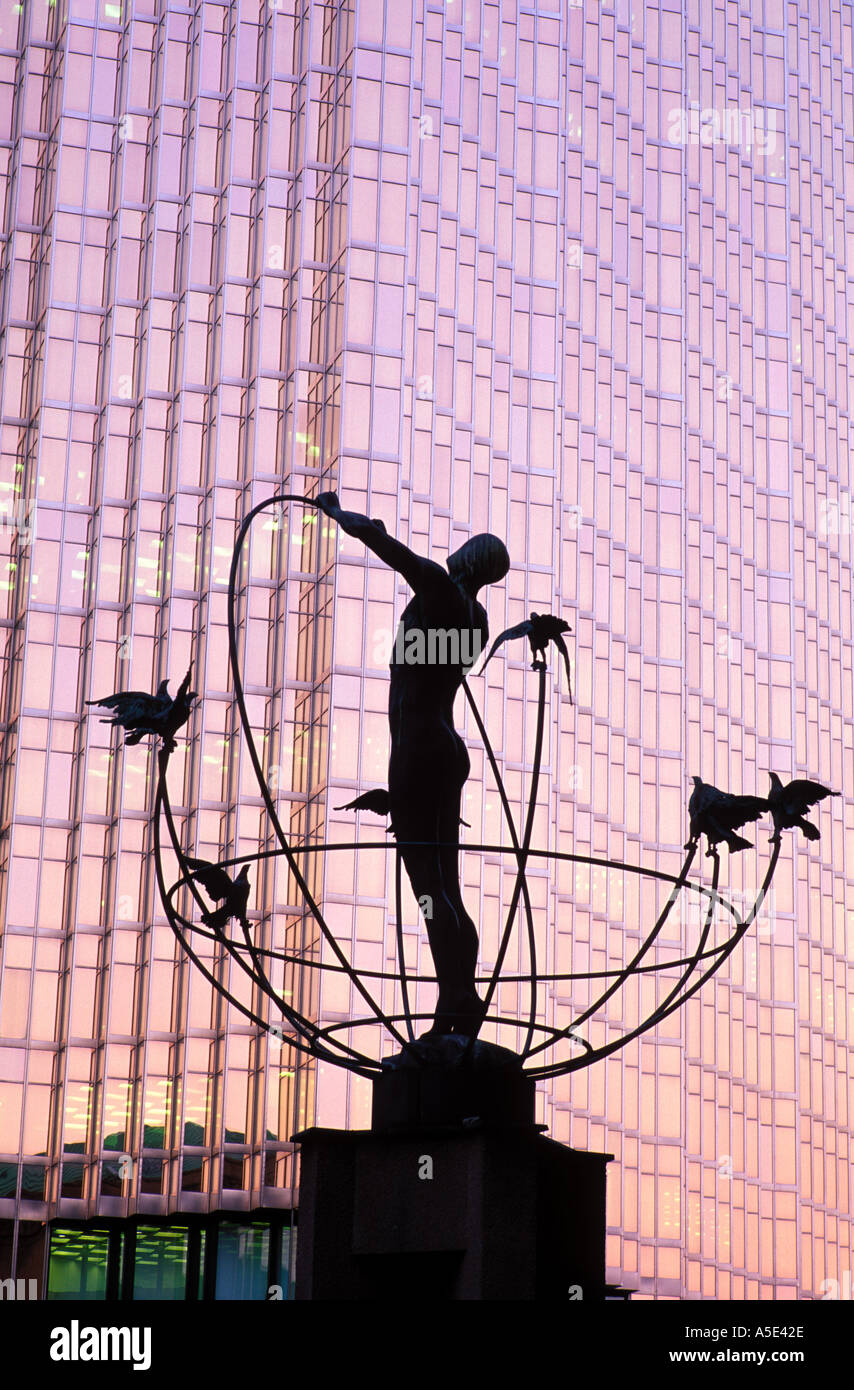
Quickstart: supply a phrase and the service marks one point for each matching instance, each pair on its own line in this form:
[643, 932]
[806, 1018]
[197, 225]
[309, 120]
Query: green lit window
[78, 1264]
[160, 1263]
[166, 1261]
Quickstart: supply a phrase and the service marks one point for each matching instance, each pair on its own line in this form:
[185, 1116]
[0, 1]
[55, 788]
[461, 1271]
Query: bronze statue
[442, 631]
[428, 768]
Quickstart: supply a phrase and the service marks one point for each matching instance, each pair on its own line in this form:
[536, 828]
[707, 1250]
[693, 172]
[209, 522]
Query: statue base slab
[449, 1214]
[451, 1081]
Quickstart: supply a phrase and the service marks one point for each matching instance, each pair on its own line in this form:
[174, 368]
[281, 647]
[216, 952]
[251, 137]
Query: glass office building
[575, 273]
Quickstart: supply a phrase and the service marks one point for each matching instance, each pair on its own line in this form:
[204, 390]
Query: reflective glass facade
[574, 273]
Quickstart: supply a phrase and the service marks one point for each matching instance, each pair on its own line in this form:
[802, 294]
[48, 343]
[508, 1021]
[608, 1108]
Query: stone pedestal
[453, 1212]
[448, 1081]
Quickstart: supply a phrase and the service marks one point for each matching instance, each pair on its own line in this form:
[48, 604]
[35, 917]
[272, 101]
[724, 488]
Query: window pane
[242, 1261]
[160, 1266]
[78, 1265]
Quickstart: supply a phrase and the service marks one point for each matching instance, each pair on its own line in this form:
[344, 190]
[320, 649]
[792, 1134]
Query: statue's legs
[433, 871]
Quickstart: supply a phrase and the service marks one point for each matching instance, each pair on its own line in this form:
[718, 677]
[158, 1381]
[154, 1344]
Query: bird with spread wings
[540, 629]
[139, 713]
[233, 893]
[718, 815]
[789, 805]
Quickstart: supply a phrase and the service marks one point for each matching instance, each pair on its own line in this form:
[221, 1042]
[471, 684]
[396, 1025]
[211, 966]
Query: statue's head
[481, 560]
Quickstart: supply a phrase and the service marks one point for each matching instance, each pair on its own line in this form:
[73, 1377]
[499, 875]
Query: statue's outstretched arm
[419, 572]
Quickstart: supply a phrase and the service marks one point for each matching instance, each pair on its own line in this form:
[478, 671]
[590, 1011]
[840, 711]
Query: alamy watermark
[743, 128]
[833, 1289]
[436, 646]
[835, 514]
[728, 910]
[20, 520]
[19, 1289]
[76, 1343]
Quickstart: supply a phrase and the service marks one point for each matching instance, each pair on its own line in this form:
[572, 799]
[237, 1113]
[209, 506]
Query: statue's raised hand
[328, 502]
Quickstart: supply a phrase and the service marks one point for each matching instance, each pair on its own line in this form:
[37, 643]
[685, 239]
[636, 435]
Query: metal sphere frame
[309, 1038]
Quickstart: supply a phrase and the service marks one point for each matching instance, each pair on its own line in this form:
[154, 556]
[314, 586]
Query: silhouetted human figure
[428, 762]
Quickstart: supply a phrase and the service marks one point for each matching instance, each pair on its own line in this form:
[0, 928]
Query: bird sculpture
[718, 815]
[540, 629]
[378, 802]
[790, 803]
[219, 885]
[139, 713]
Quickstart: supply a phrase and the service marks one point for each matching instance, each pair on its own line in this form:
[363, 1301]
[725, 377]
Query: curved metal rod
[640, 953]
[387, 975]
[591, 1053]
[508, 815]
[430, 979]
[564, 855]
[257, 970]
[384, 845]
[219, 937]
[301, 1026]
[561, 1068]
[520, 876]
[556, 977]
[256, 764]
[201, 967]
[339, 1024]
[704, 936]
[398, 901]
[733, 941]
[189, 878]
